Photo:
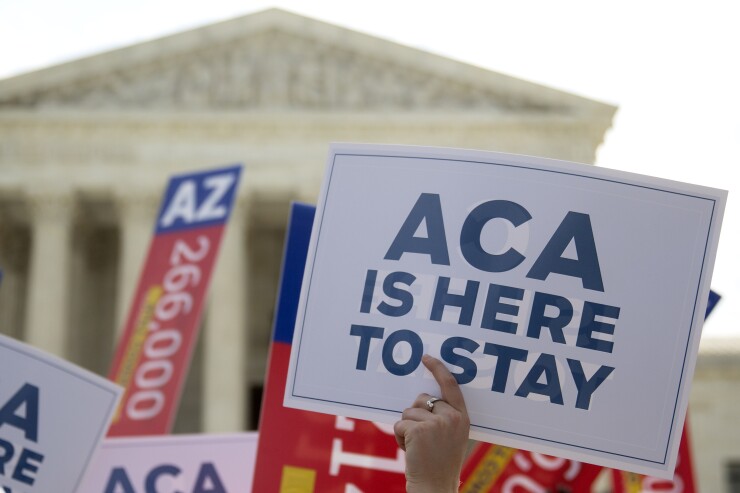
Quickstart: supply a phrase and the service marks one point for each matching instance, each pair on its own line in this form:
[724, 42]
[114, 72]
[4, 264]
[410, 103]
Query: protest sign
[182, 463]
[683, 477]
[53, 415]
[682, 480]
[306, 452]
[712, 302]
[496, 469]
[492, 468]
[528, 277]
[154, 352]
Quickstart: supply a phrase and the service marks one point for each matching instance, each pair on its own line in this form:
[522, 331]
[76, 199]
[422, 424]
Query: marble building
[86, 148]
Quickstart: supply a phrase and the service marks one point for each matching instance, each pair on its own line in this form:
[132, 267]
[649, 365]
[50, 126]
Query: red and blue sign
[306, 452]
[154, 354]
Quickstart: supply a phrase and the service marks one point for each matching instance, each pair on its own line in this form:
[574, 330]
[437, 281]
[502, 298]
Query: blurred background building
[86, 148]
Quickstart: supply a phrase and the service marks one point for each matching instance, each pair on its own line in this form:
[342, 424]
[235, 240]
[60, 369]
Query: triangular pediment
[279, 60]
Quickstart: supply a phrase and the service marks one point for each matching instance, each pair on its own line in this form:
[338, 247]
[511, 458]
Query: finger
[442, 407]
[400, 429]
[416, 414]
[421, 401]
[448, 386]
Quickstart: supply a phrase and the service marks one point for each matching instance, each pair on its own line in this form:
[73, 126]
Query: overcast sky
[670, 66]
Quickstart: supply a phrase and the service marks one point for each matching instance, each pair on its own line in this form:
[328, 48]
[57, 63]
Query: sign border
[535, 164]
[80, 374]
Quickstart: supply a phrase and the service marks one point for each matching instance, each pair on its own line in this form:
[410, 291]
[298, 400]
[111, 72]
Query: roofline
[232, 30]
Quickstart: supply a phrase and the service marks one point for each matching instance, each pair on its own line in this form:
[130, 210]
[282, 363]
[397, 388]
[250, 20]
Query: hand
[435, 440]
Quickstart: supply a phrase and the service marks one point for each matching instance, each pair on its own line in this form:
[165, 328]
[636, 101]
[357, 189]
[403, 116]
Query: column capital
[137, 205]
[45, 206]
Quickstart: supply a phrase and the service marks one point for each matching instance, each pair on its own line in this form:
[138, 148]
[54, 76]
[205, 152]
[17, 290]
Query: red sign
[496, 469]
[153, 356]
[306, 452]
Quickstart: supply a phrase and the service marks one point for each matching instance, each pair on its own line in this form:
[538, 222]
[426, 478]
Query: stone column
[14, 246]
[47, 319]
[136, 215]
[226, 348]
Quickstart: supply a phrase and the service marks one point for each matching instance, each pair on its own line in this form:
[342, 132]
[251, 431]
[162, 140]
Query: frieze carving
[272, 70]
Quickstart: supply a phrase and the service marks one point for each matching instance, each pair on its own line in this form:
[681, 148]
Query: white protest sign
[182, 463]
[567, 299]
[53, 415]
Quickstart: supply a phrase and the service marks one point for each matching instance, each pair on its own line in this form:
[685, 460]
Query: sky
[670, 67]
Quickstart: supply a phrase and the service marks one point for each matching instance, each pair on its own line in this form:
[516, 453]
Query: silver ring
[431, 401]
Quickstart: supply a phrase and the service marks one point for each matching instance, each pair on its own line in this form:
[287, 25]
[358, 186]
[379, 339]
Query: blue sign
[713, 300]
[198, 199]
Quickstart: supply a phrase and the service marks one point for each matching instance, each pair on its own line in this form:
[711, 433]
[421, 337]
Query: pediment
[278, 60]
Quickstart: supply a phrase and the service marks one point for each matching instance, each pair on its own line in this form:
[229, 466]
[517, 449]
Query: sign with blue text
[219, 463]
[53, 415]
[555, 292]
